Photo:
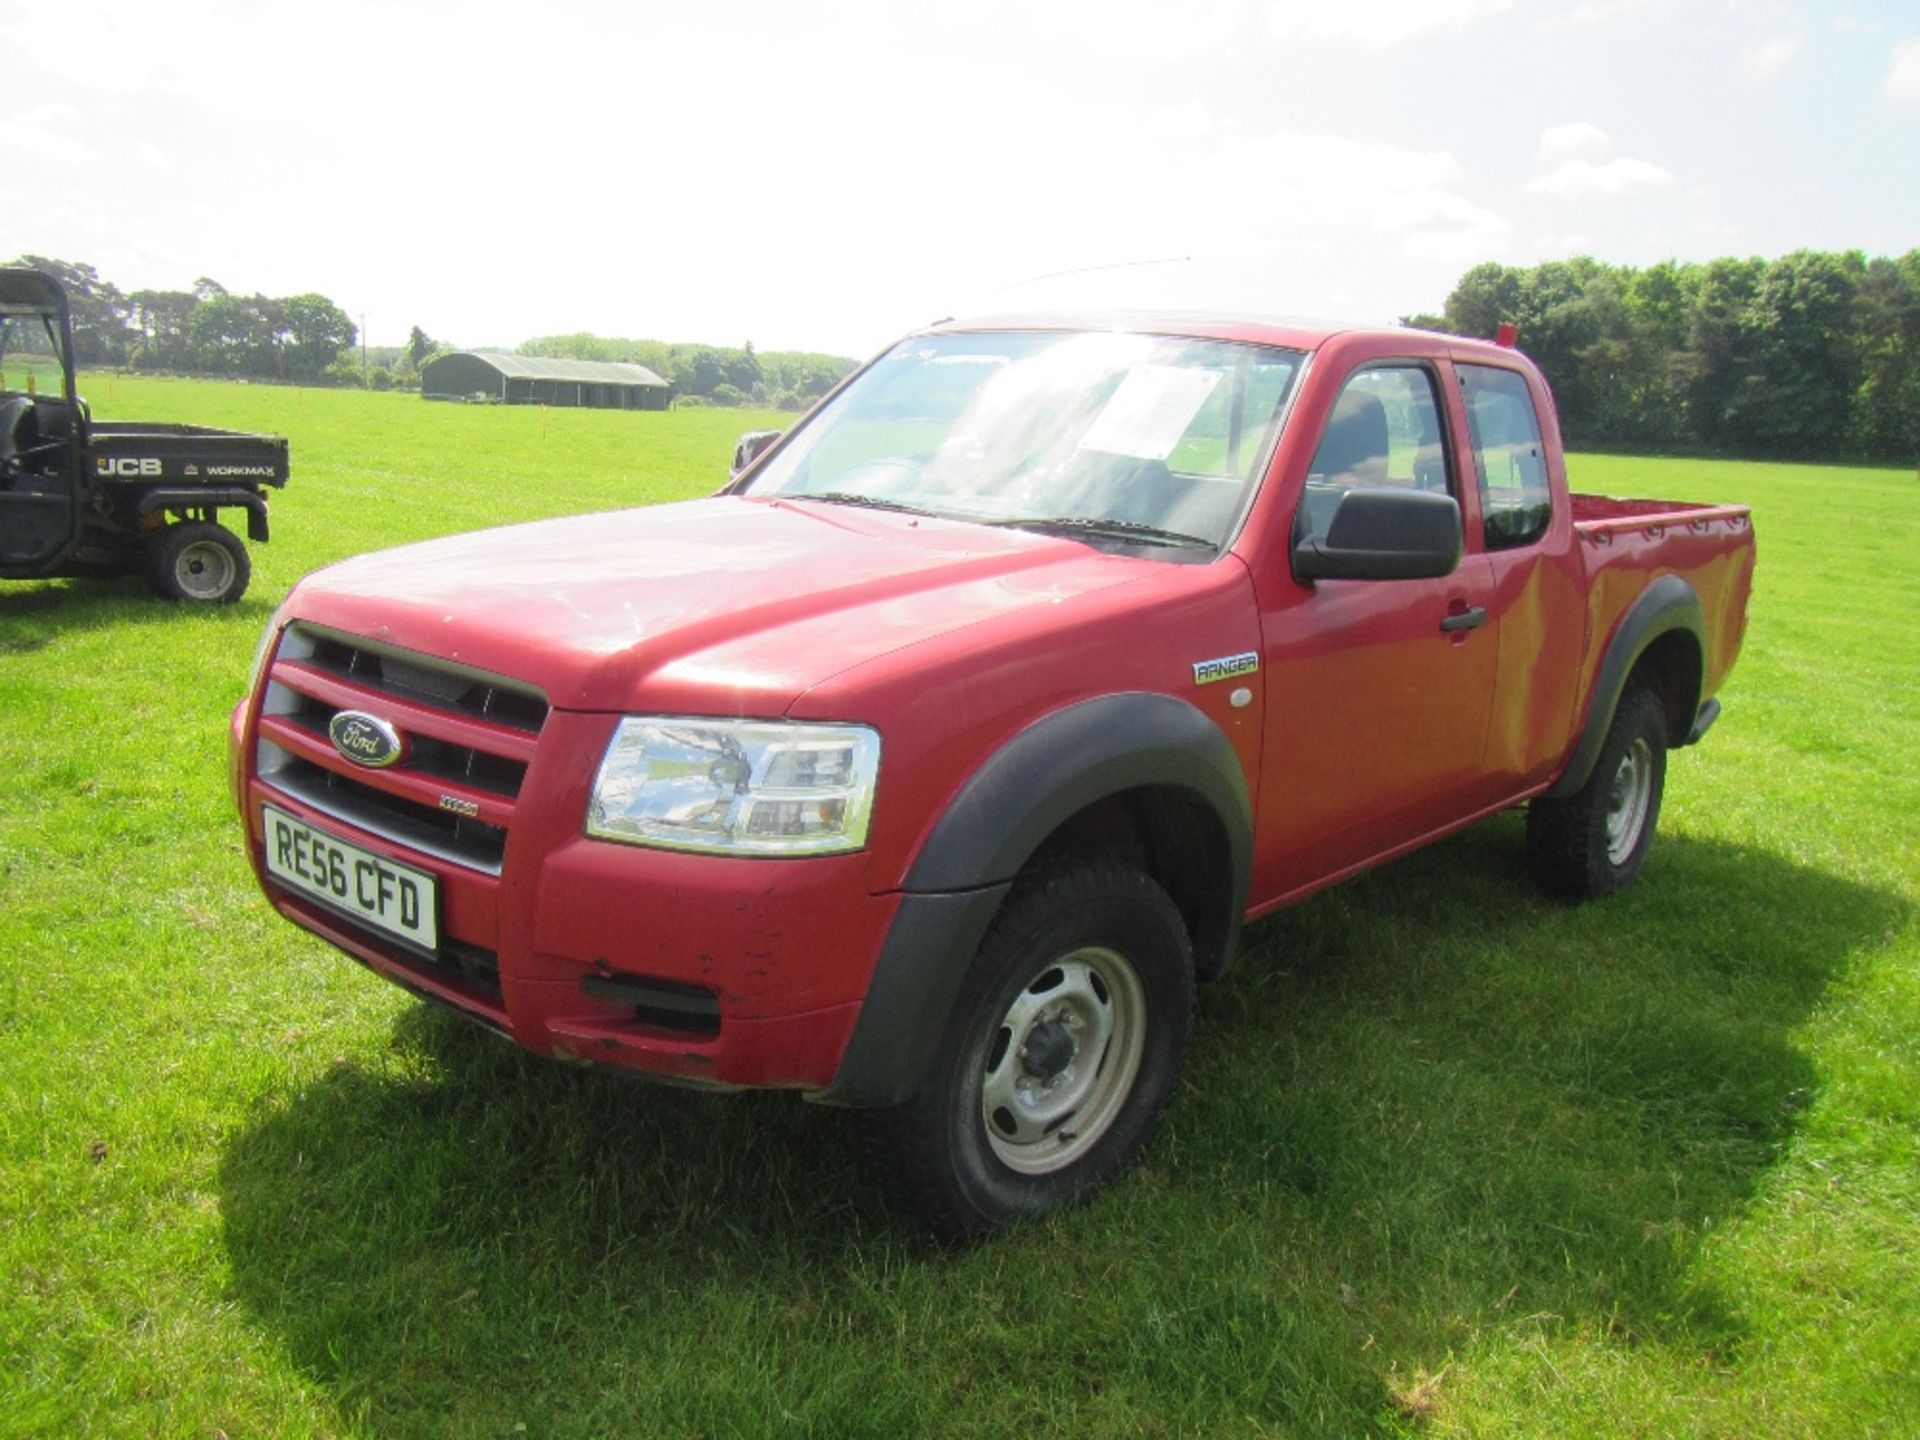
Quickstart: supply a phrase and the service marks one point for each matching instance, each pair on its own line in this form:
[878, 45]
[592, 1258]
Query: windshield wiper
[871, 502]
[1130, 530]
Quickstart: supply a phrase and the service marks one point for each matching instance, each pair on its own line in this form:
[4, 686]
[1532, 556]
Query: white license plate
[397, 899]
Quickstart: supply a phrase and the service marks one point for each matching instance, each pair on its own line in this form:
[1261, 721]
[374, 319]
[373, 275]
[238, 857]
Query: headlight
[736, 787]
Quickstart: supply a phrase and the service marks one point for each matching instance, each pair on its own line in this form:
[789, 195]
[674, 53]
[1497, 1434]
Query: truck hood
[723, 606]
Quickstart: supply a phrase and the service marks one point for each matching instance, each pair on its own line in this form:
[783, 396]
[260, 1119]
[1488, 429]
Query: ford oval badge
[366, 739]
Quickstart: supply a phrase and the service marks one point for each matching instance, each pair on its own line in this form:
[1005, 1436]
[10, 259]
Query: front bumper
[715, 971]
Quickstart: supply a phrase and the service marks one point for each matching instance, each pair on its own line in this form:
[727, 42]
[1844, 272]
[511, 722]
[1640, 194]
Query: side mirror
[1384, 534]
[751, 446]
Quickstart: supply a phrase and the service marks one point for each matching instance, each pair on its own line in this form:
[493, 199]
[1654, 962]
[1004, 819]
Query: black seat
[1355, 444]
[19, 430]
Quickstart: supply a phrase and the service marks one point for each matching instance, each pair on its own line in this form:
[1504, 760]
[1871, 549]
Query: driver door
[39, 486]
[1378, 691]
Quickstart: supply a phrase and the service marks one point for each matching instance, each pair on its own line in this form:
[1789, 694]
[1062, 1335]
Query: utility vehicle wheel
[1596, 839]
[1058, 1059]
[199, 561]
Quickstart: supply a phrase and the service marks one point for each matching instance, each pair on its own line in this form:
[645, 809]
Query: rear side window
[1516, 503]
[1384, 430]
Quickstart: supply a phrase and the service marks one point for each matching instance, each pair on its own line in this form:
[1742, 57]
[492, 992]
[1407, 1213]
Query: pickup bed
[191, 455]
[926, 766]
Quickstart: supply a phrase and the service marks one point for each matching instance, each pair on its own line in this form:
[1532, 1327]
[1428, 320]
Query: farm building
[531, 380]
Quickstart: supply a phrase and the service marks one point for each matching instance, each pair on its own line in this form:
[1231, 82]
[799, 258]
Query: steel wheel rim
[1063, 1060]
[1628, 800]
[204, 570]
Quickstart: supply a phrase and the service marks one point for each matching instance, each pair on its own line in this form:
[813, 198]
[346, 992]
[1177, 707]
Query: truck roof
[1290, 333]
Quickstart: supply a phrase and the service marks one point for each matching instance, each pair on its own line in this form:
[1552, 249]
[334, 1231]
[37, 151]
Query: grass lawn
[1449, 1159]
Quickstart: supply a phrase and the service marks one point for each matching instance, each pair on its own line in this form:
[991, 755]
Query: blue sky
[827, 176]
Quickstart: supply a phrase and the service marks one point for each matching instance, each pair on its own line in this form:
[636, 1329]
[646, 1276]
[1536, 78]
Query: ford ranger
[926, 766]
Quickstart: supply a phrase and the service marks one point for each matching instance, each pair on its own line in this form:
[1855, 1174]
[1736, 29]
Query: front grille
[418, 678]
[469, 736]
[442, 759]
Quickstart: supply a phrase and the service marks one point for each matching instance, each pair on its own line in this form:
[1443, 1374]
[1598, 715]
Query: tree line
[1809, 356]
[717, 375]
[206, 330]
[309, 340]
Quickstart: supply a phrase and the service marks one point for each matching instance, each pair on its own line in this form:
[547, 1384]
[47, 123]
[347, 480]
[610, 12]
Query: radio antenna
[1089, 269]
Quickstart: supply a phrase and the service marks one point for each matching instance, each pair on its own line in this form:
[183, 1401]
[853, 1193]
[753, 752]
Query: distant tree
[217, 334]
[420, 348]
[1886, 411]
[317, 331]
[1805, 347]
[159, 319]
[1485, 298]
[1720, 348]
[703, 372]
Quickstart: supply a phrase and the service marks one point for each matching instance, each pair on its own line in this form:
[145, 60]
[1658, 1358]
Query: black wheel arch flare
[1053, 770]
[1668, 606]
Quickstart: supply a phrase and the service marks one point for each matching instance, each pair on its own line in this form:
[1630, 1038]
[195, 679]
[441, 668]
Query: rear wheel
[199, 561]
[1058, 1060]
[1595, 840]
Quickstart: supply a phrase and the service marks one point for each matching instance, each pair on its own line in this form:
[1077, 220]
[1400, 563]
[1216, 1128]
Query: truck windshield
[1136, 439]
[29, 353]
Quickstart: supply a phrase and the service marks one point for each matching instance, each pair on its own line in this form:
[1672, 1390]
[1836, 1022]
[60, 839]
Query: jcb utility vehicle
[83, 497]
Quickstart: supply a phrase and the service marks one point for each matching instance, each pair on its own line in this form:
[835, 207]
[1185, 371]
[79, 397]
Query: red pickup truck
[926, 766]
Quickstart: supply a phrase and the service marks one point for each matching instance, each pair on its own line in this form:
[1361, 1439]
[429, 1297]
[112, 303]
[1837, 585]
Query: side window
[1384, 430]
[1516, 503]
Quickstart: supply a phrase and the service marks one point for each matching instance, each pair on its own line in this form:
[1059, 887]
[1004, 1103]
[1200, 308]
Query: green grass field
[1448, 1159]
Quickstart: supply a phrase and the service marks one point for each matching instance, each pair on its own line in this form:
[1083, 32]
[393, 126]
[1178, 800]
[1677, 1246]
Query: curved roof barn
[535, 380]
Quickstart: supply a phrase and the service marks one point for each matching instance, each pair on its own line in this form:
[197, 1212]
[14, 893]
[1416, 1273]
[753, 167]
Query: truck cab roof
[1284, 332]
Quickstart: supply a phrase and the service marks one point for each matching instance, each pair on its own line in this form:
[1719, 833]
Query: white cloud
[1770, 57]
[1903, 80]
[1376, 24]
[1581, 164]
[1581, 140]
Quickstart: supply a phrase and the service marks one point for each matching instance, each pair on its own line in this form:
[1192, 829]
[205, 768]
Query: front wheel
[1058, 1060]
[1595, 840]
[199, 561]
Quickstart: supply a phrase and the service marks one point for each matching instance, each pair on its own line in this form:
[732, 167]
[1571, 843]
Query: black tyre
[198, 561]
[1058, 1060]
[1594, 841]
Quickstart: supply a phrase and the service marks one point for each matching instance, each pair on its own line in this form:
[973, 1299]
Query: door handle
[1471, 618]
